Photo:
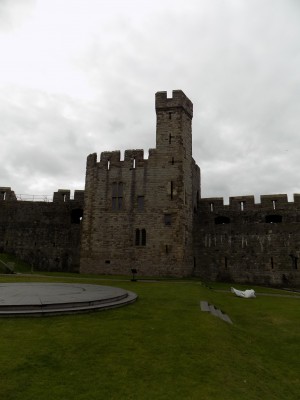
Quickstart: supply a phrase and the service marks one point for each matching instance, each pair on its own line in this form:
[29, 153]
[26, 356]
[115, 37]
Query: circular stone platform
[37, 299]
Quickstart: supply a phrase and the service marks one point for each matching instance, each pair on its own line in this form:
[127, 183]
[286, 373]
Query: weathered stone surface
[151, 199]
[246, 242]
[45, 234]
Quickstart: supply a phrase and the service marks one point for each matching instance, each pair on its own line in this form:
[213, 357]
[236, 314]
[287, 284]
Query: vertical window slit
[137, 237]
[143, 237]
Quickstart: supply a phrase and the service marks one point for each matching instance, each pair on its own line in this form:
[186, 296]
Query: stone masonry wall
[139, 212]
[247, 242]
[44, 234]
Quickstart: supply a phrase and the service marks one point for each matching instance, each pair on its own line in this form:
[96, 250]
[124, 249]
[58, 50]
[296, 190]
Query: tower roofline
[178, 100]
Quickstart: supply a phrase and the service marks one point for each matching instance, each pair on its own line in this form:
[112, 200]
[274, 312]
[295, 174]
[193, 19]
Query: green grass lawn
[161, 347]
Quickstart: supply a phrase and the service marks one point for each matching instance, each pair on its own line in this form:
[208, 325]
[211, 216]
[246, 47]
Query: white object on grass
[246, 293]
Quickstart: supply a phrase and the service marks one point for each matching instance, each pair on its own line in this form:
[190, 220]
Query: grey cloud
[238, 62]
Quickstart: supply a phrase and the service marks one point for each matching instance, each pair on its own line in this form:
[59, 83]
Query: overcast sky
[79, 76]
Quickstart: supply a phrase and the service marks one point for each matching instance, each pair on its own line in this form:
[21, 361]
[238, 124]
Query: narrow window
[168, 219]
[140, 237]
[117, 195]
[133, 163]
[274, 204]
[272, 263]
[143, 237]
[170, 115]
[64, 197]
[108, 164]
[172, 162]
[211, 205]
[294, 261]
[225, 262]
[167, 249]
[4, 195]
[172, 188]
[242, 205]
[137, 237]
[170, 138]
[140, 203]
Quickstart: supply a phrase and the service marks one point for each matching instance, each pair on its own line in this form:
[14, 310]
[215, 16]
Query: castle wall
[148, 214]
[44, 234]
[249, 243]
[139, 212]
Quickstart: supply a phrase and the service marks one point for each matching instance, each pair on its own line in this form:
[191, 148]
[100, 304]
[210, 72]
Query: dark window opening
[172, 162]
[143, 237]
[140, 203]
[294, 261]
[170, 115]
[272, 263]
[167, 249]
[76, 216]
[117, 195]
[273, 219]
[222, 220]
[137, 237]
[225, 263]
[107, 261]
[140, 237]
[168, 219]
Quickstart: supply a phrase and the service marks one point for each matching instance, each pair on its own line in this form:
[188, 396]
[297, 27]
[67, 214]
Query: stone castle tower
[139, 212]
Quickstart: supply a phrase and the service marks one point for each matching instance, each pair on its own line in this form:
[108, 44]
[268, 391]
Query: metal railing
[34, 197]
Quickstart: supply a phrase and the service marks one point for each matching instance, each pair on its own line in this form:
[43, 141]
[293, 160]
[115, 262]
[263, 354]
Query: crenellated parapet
[109, 159]
[6, 194]
[178, 100]
[64, 196]
[247, 203]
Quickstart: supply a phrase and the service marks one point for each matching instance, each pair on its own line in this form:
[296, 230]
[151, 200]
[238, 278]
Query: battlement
[132, 158]
[247, 203]
[178, 100]
[64, 196]
[7, 194]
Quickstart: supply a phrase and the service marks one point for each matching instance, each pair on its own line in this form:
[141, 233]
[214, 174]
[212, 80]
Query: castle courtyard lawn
[161, 347]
